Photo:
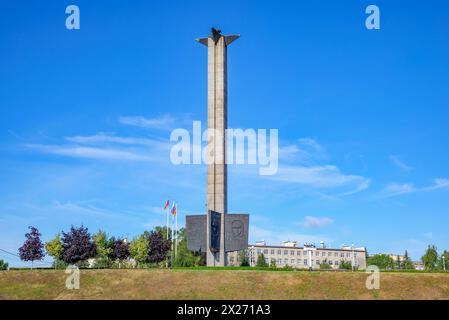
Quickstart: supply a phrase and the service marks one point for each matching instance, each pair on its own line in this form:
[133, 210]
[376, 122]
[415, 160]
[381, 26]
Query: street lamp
[353, 257]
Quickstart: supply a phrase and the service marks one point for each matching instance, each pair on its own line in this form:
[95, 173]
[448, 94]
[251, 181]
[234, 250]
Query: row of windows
[304, 253]
[301, 261]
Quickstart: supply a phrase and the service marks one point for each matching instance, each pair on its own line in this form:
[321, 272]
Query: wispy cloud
[273, 236]
[108, 138]
[90, 152]
[394, 189]
[316, 222]
[163, 122]
[400, 164]
[327, 176]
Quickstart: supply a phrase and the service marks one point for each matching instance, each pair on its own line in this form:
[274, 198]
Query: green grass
[220, 283]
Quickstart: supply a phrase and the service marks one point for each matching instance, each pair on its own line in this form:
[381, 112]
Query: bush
[102, 263]
[59, 264]
[3, 265]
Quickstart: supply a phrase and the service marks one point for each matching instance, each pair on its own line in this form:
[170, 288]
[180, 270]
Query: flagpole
[176, 228]
[172, 234]
[168, 212]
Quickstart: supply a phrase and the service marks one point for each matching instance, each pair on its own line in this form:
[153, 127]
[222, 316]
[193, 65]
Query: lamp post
[353, 258]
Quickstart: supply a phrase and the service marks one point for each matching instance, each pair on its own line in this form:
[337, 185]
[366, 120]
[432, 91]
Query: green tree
[407, 264]
[443, 262]
[102, 243]
[3, 265]
[325, 265]
[430, 258]
[243, 258]
[138, 249]
[54, 247]
[261, 261]
[184, 257]
[347, 265]
[273, 263]
[382, 261]
[163, 231]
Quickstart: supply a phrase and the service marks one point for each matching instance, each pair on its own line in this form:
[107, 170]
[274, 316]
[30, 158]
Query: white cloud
[327, 176]
[394, 189]
[90, 152]
[316, 222]
[163, 122]
[400, 164]
[105, 138]
[275, 237]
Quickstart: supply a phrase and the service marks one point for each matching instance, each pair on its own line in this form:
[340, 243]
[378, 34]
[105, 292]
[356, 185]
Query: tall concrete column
[217, 121]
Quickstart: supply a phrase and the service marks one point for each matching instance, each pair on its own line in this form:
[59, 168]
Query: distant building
[305, 257]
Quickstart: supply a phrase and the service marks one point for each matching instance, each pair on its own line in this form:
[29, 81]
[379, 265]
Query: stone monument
[217, 232]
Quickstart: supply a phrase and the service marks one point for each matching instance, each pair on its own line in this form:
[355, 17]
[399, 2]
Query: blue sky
[362, 117]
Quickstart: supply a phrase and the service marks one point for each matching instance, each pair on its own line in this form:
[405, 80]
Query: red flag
[167, 204]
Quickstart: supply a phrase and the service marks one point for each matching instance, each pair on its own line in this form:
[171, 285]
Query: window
[279, 261]
[329, 254]
[330, 262]
[336, 254]
[348, 255]
[259, 251]
[336, 263]
[272, 251]
[298, 253]
[285, 261]
[293, 261]
[265, 251]
[305, 262]
[317, 254]
[279, 252]
[285, 252]
[318, 262]
[323, 254]
[342, 255]
[292, 252]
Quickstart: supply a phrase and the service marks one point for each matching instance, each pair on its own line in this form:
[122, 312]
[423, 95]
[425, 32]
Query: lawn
[219, 284]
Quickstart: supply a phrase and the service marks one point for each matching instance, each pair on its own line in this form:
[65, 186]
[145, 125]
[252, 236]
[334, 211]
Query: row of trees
[77, 246]
[431, 260]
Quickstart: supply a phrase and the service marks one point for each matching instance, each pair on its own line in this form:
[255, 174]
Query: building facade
[305, 257]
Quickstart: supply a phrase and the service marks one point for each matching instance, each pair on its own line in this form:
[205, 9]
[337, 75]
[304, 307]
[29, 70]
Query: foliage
[443, 264]
[184, 257]
[273, 264]
[3, 265]
[33, 248]
[407, 264]
[163, 231]
[382, 261]
[261, 261]
[102, 244]
[54, 247]
[102, 263]
[120, 250]
[243, 258]
[430, 258]
[77, 245]
[158, 246]
[138, 249]
[346, 265]
[325, 265]
[59, 264]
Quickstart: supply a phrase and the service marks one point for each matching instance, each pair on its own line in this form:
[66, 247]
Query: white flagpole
[168, 211]
[172, 236]
[176, 228]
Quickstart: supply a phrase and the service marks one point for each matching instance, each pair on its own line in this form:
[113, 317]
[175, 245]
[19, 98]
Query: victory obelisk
[217, 114]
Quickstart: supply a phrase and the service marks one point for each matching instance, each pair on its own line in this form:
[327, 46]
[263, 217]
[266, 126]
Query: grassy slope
[217, 284]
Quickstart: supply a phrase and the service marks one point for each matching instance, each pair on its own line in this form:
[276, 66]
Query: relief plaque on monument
[215, 226]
